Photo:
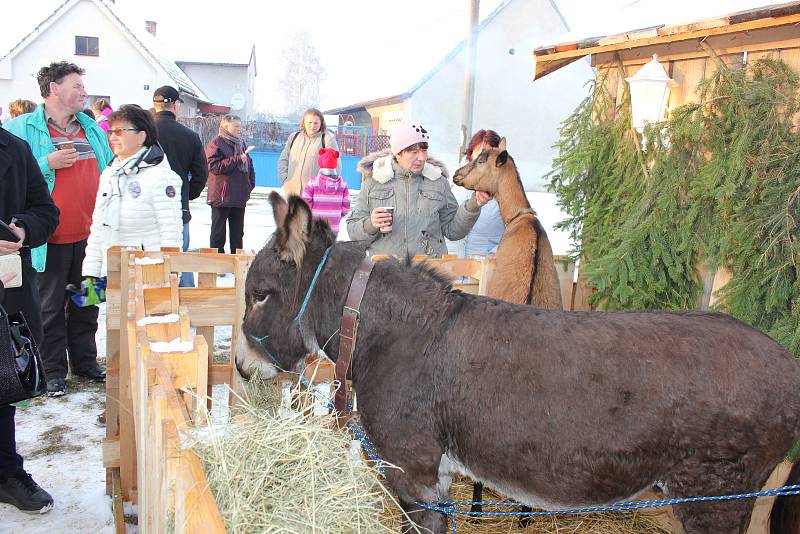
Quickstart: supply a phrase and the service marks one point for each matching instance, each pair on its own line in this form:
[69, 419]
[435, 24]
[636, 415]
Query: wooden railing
[157, 369]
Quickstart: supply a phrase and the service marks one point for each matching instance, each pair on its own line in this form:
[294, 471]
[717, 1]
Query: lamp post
[650, 88]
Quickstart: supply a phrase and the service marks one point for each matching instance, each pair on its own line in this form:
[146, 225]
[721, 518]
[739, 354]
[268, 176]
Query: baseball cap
[166, 94]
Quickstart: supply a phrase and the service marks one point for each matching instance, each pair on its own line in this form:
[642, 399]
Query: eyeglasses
[118, 131]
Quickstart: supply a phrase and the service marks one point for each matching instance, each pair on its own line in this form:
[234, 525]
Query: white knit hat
[405, 134]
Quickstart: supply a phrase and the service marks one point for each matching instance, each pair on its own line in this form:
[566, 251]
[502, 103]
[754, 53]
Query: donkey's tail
[785, 518]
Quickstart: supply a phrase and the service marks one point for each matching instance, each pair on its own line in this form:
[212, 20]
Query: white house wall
[221, 82]
[121, 71]
[528, 114]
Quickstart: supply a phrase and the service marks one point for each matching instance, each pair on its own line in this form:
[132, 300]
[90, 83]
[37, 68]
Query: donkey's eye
[260, 295]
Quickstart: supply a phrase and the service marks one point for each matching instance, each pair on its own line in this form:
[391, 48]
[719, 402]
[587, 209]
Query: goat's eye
[482, 158]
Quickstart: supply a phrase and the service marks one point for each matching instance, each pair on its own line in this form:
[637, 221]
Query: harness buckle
[354, 310]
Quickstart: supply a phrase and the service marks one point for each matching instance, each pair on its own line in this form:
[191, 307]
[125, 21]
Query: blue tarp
[266, 165]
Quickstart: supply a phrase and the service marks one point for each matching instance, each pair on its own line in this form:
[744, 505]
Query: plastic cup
[389, 209]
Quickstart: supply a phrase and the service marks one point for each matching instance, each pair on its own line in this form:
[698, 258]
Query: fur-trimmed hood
[381, 166]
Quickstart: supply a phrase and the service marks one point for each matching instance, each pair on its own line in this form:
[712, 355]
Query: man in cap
[185, 154]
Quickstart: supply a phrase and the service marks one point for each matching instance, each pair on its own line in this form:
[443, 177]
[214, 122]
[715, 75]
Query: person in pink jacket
[326, 193]
[102, 109]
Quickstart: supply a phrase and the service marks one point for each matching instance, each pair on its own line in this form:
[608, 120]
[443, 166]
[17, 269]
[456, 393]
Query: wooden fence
[157, 369]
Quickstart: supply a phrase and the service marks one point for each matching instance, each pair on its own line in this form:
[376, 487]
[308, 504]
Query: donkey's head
[276, 283]
[484, 172]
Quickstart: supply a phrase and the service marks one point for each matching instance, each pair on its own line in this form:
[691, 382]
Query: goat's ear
[501, 159]
[502, 146]
[294, 227]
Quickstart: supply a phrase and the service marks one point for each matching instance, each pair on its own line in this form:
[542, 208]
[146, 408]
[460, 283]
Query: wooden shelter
[690, 52]
[735, 37]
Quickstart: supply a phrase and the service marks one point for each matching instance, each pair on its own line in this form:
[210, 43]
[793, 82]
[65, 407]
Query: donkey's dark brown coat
[552, 408]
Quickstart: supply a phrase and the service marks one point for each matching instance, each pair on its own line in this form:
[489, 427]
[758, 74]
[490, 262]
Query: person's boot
[20, 490]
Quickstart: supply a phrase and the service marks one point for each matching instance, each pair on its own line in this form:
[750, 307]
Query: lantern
[650, 89]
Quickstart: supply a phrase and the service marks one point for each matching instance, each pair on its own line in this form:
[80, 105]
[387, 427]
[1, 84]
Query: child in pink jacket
[326, 193]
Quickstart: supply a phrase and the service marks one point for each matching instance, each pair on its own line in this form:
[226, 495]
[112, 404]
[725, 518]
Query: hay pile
[277, 470]
[273, 470]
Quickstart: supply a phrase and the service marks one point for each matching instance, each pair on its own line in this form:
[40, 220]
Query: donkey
[555, 409]
[525, 272]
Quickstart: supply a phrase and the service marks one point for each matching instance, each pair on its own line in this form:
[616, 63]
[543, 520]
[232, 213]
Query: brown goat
[525, 272]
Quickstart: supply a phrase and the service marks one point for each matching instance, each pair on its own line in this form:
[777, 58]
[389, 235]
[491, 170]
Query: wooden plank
[240, 275]
[196, 510]
[688, 74]
[157, 301]
[699, 33]
[127, 435]
[635, 35]
[760, 517]
[205, 281]
[542, 68]
[219, 373]
[791, 57]
[110, 451]
[759, 40]
[163, 331]
[116, 503]
[721, 279]
[565, 277]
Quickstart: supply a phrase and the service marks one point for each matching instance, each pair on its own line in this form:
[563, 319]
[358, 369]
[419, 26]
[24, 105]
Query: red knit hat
[328, 158]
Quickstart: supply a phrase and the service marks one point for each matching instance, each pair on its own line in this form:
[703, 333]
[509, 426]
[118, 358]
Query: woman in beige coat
[298, 161]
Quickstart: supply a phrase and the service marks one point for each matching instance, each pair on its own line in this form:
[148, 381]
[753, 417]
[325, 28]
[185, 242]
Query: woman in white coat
[139, 199]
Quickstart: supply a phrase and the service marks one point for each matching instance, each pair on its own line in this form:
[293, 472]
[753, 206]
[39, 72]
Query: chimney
[150, 26]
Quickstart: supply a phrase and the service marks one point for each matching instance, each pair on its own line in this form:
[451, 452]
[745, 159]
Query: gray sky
[404, 40]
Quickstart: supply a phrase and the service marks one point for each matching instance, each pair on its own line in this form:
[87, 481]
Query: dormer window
[87, 46]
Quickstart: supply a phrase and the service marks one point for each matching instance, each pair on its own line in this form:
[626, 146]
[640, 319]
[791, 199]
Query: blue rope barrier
[454, 508]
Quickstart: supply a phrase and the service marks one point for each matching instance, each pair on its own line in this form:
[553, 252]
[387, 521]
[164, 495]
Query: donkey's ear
[501, 159]
[294, 231]
[279, 208]
[502, 146]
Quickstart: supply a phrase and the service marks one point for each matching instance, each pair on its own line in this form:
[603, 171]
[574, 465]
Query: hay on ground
[274, 470]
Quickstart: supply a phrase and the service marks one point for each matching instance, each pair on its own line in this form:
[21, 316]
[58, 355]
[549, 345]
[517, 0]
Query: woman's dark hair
[490, 137]
[89, 112]
[139, 118]
[318, 113]
[55, 72]
[416, 146]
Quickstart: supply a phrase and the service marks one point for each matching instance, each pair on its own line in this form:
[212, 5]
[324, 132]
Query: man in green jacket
[71, 150]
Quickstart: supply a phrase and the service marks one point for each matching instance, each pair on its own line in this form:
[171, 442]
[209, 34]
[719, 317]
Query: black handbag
[21, 369]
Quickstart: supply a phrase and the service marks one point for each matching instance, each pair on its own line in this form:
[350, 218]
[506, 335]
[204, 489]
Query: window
[87, 46]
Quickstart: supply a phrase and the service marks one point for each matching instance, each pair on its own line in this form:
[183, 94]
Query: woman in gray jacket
[297, 163]
[405, 206]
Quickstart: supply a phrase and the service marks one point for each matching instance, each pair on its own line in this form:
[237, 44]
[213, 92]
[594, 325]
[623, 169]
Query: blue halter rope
[313, 283]
[260, 340]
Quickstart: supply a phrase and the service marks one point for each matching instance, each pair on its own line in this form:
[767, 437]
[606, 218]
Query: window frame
[87, 41]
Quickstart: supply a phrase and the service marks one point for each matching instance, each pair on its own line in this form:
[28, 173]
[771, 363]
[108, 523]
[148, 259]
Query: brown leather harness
[348, 332]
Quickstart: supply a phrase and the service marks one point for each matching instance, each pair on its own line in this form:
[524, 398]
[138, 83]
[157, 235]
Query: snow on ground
[60, 438]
